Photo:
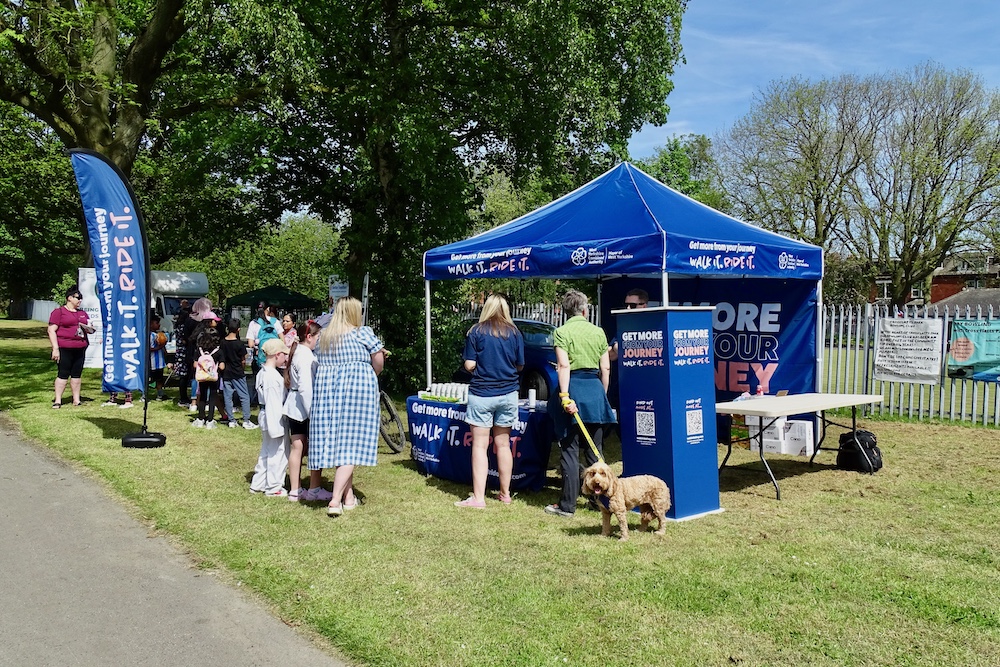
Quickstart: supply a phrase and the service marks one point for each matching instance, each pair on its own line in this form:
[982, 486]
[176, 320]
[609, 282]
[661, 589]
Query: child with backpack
[262, 328]
[208, 354]
[269, 473]
[234, 380]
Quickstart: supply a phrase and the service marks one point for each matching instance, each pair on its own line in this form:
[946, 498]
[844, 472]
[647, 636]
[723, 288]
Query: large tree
[787, 164]
[393, 107]
[932, 182]
[898, 170]
[413, 98]
[101, 72]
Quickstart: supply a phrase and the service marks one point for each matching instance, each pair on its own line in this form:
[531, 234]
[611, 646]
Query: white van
[167, 288]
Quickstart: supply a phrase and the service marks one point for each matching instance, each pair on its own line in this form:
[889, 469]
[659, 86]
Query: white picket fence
[849, 362]
[849, 366]
[540, 312]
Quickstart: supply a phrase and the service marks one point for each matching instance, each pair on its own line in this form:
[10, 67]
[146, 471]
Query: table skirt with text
[442, 444]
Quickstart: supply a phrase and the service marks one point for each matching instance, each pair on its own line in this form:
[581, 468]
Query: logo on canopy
[579, 257]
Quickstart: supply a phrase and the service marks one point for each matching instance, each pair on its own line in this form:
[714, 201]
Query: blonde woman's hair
[574, 302]
[346, 317]
[496, 317]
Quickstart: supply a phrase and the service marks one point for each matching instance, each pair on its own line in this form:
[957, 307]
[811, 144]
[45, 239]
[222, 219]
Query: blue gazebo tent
[626, 224]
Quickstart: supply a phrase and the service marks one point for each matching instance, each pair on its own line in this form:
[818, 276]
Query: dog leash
[586, 435]
[565, 401]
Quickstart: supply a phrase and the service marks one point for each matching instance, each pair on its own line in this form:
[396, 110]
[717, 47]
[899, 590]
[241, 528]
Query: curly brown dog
[650, 494]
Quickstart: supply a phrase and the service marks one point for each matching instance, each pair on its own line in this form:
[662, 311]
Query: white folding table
[773, 407]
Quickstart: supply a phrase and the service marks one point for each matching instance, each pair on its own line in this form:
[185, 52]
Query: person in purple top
[68, 329]
[494, 354]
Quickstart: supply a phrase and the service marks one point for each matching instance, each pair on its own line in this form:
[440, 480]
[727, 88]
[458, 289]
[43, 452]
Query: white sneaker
[127, 404]
[280, 492]
[199, 423]
[232, 424]
[210, 424]
[250, 426]
[106, 404]
[193, 408]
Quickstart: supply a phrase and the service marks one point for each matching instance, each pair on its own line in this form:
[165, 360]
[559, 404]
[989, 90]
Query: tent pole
[820, 342]
[666, 294]
[427, 328]
[600, 300]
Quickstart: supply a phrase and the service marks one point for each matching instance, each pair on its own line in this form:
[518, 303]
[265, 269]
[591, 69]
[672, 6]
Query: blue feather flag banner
[121, 262]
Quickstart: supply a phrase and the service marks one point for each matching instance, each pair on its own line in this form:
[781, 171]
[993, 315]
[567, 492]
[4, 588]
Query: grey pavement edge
[85, 584]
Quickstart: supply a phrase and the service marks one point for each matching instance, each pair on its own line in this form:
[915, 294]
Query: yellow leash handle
[566, 400]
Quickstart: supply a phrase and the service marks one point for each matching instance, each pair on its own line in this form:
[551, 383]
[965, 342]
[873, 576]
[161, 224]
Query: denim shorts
[489, 411]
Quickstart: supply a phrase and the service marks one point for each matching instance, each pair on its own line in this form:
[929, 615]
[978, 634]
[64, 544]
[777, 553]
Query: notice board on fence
[908, 350]
[974, 349]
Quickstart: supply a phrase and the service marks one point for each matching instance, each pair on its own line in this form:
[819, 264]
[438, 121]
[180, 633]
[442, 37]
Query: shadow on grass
[547, 495]
[23, 330]
[27, 373]
[114, 429]
[752, 473]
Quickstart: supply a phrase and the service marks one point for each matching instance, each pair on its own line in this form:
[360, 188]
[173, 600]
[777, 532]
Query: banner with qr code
[667, 409]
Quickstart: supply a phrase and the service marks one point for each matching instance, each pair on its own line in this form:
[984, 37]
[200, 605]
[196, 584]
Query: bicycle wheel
[391, 426]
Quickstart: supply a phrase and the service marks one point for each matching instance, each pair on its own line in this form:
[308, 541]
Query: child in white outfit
[269, 473]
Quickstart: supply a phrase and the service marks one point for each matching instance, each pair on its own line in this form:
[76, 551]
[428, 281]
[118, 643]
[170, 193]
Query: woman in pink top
[68, 329]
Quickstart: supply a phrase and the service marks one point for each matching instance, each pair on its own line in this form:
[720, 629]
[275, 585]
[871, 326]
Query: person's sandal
[504, 498]
[56, 406]
[471, 502]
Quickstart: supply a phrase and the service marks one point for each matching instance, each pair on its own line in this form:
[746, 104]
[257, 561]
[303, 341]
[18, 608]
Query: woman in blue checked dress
[344, 420]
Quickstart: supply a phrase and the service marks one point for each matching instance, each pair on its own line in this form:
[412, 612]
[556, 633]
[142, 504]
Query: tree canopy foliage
[685, 163]
[41, 235]
[412, 100]
[276, 257]
[100, 73]
[898, 170]
[374, 116]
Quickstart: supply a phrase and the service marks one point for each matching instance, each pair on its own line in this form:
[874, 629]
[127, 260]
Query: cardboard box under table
[782, 436]
[771, 411]
[442, 443]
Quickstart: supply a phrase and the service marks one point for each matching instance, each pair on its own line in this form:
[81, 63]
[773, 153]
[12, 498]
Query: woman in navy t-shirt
[494, 354]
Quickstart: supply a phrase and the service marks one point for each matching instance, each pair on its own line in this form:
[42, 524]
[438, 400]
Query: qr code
[645, 424]
[694, 423]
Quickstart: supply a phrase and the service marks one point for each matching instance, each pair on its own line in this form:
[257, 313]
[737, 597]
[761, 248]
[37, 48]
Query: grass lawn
[899, 568]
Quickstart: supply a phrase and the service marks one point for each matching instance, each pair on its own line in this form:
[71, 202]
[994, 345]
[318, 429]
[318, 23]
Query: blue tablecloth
[442, 443]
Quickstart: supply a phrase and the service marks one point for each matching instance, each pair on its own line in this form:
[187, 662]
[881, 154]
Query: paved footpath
[82, 583]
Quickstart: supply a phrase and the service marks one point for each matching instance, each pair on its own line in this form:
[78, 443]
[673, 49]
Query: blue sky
[734, 48]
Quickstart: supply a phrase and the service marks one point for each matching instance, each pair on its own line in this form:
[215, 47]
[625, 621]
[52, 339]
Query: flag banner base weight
[144, 440]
